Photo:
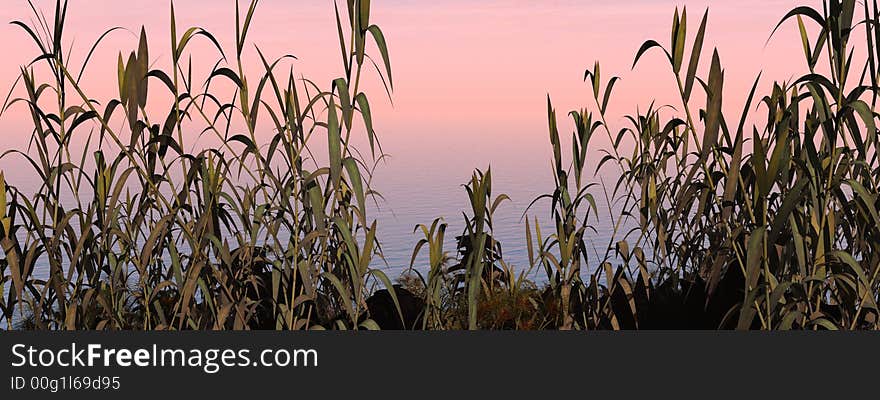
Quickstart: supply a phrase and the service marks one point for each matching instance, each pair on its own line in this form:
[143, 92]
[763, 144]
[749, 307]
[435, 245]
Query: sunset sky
[458, 65]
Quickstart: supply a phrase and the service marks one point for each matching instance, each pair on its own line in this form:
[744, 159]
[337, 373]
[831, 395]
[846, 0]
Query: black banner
[431, 364]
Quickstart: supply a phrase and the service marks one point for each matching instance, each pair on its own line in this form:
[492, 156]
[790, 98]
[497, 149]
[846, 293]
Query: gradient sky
[471, 77]
[476, 66]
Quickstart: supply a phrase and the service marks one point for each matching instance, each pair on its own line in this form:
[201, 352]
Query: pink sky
[465, 72]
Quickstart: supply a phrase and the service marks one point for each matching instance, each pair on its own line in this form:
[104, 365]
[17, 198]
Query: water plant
[156, 236]
[778, 237]
[764, 220]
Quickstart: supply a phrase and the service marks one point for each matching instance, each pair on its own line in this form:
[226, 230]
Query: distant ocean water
[444, 196]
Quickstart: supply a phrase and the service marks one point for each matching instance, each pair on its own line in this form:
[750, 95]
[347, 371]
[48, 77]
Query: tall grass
[771, 227]
[762, 220]
[248, 235]
[724, 223]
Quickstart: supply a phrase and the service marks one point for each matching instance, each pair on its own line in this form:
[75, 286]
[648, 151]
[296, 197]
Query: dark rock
[384, 313]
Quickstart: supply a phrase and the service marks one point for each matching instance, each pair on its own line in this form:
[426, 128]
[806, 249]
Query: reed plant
[243, 236]
[747, 225]
[767, 219]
